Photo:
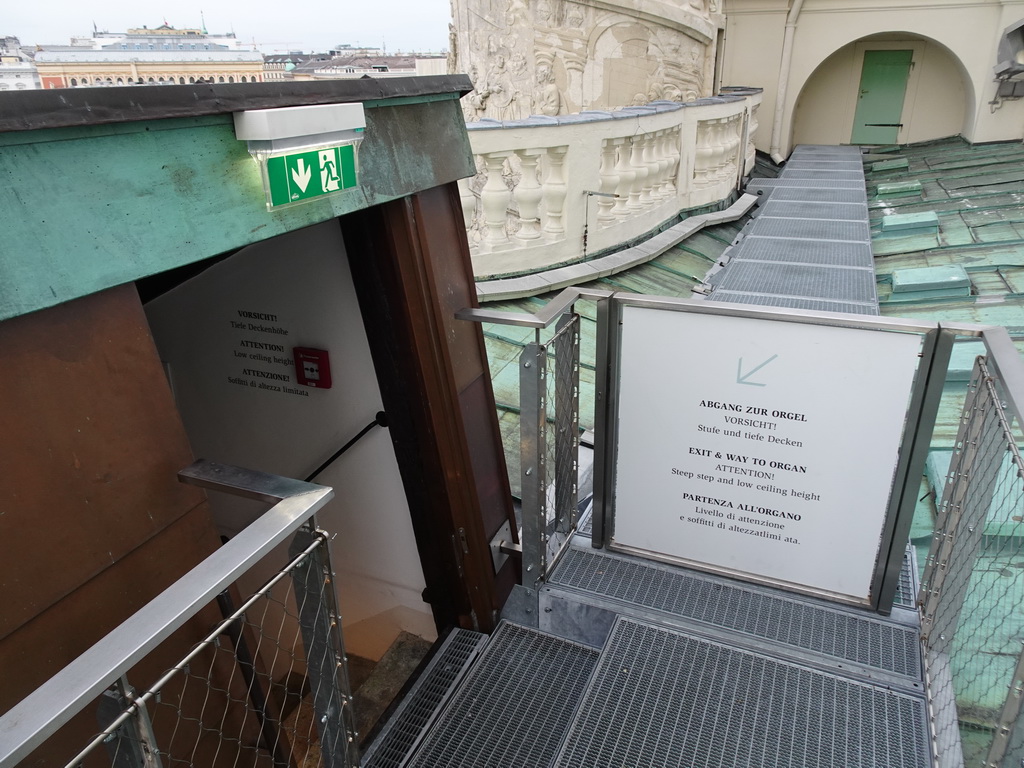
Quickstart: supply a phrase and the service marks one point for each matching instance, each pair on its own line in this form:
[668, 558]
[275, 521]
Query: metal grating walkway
[809, 246]
[698, 670]
[663, 698]
[762, 614]
[391, 746]
[513, 706]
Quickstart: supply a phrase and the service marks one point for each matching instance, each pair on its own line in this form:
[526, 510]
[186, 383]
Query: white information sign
[765, 448]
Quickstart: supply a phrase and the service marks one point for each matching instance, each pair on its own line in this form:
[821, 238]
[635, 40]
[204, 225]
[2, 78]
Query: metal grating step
[513, 706]
[824, 163]
[812, 229]
[392, 745]
[794, 302]
[834, 633]
[799, 173]
[663, 698]
[810, 195]
[756, 184]
[808, 251]
[850, 150]
[815, 281]
[777, 208]
[906, 589]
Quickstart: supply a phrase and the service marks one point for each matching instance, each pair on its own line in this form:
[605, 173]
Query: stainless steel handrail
[542, 318]
[50, 706]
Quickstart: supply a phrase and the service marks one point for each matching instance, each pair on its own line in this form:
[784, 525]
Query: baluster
[528, 194]
[636, 162]
[731, 146]
[494, 198]
[713, 152]
[661, 156]
[719, 156]
[554, 190]
[702, 161]
[647, 194]
[751, 151]
[674, 156]
[626, 175]
[609, 182]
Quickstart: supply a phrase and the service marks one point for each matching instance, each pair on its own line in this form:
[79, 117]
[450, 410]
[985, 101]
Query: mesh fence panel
[549, 393]
[973, 589]
[248, 694]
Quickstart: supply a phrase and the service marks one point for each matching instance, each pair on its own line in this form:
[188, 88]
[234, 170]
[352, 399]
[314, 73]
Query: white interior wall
[302, 281]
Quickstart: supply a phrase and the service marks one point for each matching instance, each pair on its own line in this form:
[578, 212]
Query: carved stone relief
[551, 57]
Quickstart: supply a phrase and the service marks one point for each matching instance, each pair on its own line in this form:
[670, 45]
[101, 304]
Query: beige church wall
[969, 33]
[303, 280]
[935, 104]
[558, 57]
[753, 49]
[1007, 121]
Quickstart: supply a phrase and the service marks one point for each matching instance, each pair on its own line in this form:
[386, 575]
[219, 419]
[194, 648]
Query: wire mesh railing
[550, 432]
[265, 685]
[972, 594]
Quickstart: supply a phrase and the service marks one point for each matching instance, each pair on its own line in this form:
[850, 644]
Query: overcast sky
[307, 25]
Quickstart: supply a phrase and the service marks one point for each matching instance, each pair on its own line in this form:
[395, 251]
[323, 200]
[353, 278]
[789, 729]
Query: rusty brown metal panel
[411, 267]
[91, 448]
[38, 649]
[446, 252]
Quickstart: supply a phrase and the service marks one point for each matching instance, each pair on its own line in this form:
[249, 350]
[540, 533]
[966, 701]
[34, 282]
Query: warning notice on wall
[763, 447]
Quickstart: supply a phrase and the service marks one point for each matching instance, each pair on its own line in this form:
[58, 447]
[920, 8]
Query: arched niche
[937, 100]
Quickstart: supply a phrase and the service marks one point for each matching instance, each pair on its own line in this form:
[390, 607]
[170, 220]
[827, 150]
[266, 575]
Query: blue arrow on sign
[741, 377]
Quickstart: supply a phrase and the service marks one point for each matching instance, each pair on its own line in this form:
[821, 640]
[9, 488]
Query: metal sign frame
[922, 406]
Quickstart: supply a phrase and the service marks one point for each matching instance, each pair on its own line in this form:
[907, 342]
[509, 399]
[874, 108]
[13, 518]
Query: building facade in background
[160, 56]
[17, 72]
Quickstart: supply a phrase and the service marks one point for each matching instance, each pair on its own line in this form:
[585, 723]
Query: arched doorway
[884, 89]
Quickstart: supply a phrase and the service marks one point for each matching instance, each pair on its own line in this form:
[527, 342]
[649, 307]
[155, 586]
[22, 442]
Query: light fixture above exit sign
[305, 152]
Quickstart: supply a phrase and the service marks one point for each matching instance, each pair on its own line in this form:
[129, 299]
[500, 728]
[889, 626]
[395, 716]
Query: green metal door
[883, 84]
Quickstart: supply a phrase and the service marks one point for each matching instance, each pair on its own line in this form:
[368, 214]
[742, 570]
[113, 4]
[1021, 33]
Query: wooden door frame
[411, 267]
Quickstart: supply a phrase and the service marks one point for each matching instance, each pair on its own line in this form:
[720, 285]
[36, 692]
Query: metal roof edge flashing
[69, 107]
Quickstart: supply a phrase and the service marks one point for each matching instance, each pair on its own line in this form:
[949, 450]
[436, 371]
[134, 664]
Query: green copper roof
[673, 273]
[976, 194]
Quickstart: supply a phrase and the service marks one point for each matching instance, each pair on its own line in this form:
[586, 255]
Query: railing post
[567, 428]
[959, 530]
[320, 625]
[533, 459]
[1007, 747]
[133, 744]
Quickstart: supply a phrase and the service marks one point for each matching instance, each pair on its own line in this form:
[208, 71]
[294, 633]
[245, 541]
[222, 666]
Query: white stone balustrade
[530, 202]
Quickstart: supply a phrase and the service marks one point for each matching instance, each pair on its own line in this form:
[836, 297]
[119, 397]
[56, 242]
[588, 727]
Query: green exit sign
[305, 175]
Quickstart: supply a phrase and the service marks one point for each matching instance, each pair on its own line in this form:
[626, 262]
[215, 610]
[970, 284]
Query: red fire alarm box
[312, 367]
